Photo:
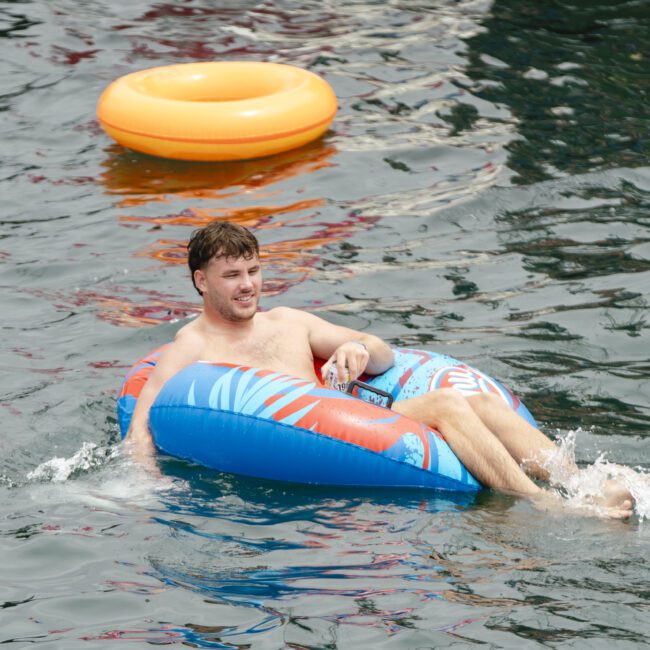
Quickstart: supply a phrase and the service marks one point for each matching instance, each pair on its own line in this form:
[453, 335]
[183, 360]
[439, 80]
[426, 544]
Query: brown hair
[219, 239]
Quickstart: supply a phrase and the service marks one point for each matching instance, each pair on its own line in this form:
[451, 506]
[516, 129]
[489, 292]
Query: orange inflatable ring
[217, 111]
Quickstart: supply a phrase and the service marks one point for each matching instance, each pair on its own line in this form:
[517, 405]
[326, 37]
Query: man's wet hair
[219, 239]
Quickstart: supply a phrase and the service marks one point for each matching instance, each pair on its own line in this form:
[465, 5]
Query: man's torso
[275, 342]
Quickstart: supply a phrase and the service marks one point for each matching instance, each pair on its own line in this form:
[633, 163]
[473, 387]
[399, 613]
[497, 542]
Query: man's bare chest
[272, 348]
[262, 351]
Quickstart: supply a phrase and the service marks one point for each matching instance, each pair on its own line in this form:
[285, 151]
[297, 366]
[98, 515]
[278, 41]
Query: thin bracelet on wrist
[363, 345]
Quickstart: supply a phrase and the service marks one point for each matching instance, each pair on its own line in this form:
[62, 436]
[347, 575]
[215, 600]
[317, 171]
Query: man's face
[231, 286]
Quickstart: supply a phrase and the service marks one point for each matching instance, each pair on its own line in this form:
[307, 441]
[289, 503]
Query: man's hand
[352, 355]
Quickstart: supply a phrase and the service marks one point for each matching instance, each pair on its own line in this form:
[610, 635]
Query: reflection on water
[141, 308]
[147, 178]
[585, 65]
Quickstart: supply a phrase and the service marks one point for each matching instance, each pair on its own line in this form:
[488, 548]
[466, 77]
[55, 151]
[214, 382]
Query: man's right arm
[184, 350]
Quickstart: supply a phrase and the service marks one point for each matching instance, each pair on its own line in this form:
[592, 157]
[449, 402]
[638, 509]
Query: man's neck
[234, 328]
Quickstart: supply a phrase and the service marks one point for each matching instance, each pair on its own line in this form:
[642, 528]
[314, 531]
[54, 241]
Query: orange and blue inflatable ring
[262, 424]
[231, 110]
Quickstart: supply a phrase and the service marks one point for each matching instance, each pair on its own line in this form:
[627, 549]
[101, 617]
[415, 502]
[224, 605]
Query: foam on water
[57, 470]
[124, 481]
[581, 488]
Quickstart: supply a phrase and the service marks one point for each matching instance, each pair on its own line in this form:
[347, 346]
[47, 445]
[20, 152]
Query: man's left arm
[346, 348]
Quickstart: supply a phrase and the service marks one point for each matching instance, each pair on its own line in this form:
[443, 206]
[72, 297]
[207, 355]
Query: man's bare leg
[476, 446]
[485, 454]
[532, 450]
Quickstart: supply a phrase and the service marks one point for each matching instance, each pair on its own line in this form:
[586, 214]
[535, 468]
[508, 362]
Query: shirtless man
[492, 441]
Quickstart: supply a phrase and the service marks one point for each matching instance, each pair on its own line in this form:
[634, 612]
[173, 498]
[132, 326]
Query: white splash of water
[112, 483]
[57, 470]
[5, 481]
[582, 488]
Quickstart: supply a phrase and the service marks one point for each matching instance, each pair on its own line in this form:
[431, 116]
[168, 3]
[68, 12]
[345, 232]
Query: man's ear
[199, 280]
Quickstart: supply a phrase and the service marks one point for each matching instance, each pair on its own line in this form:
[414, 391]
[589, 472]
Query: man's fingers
[326, 367]
[350, 361]
[358, 361]
[341, 365]
[353, 368]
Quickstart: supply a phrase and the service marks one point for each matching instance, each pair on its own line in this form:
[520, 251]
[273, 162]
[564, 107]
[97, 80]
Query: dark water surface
[484, 191]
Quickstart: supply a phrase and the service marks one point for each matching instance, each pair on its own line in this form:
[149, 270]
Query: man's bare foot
[616, 501]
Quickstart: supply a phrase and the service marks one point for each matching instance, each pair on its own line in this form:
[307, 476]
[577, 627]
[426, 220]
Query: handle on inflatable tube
[362, 384]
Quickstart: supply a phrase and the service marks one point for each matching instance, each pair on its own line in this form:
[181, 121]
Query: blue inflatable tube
[258, 423]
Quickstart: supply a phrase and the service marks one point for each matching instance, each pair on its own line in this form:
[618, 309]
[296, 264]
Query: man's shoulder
[190, 335]
[285, 314]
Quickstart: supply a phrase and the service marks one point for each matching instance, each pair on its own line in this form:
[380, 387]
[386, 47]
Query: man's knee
[437, 408]
[448, 401]
[482, 401]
